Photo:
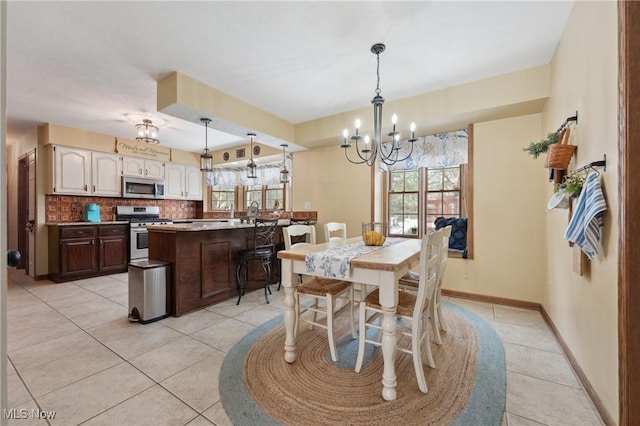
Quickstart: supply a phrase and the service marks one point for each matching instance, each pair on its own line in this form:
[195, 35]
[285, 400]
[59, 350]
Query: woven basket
[559, 154]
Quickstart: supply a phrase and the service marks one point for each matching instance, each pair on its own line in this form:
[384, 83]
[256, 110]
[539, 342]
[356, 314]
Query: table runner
[336, 262]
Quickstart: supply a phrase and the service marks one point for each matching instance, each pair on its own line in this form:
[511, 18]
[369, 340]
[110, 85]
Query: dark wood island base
[203, 260]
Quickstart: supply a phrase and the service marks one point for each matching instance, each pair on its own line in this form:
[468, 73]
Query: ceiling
[94, 65]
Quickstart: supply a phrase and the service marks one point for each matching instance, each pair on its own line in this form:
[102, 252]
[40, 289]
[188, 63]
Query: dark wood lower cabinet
[203, 264]
[83, 251]
[113, 248]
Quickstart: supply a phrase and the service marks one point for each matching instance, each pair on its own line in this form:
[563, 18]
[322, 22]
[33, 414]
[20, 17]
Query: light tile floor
[72, 350]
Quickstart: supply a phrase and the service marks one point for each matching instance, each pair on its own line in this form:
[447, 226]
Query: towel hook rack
[601, 163]
[569, 120]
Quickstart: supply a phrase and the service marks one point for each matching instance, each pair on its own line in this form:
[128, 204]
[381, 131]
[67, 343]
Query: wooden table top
[390, 258]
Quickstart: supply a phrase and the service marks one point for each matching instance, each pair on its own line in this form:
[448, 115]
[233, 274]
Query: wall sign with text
[144, 150]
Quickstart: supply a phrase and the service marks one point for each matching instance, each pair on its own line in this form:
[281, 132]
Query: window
[415, 198]
[443, 191]
[404, 187]
[223, 197]
[254, 194]
[268, 197]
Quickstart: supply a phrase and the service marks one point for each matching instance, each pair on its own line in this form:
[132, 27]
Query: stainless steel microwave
[135, 187]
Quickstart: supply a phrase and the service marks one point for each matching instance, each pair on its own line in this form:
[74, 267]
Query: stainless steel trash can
[148, 290]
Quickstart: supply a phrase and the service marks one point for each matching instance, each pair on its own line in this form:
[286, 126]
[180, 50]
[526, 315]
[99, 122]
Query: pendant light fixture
[146, 132]
[388, 152]
[284, 173]
[206, 159]
[251, 165]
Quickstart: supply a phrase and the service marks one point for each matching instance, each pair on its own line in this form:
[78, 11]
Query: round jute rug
[314, 390]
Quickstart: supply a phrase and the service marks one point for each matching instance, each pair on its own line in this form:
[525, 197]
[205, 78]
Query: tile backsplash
[70, 208]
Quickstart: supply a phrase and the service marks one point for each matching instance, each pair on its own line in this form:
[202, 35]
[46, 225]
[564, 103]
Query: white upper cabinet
[81, 172]
[154, 169]
[106, 174]
[72, 171]
[193, 183]
[174, 181]
[134, 166]
[182, 182]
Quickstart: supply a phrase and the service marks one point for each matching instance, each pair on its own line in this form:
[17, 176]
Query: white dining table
[381, 268]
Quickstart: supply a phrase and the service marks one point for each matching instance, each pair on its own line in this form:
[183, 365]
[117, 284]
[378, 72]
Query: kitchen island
[203, 258]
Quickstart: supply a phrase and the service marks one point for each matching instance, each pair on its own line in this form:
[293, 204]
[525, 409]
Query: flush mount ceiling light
[206, 159]
[251, 165]
[146, 132]
[284, 173]
[388, 152]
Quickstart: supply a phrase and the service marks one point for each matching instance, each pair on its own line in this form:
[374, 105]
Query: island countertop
[207, 226]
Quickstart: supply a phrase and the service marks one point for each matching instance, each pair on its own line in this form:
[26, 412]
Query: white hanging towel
[585, 225]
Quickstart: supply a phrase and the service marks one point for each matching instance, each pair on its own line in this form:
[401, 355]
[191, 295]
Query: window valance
[268, 174]
[439, 150]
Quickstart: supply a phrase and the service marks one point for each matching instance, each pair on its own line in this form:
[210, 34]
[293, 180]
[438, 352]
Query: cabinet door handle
[94, 188]
[146, 172]
[85, 186]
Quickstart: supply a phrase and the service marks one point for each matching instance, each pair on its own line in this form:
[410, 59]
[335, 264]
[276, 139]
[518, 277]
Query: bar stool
[262, 250]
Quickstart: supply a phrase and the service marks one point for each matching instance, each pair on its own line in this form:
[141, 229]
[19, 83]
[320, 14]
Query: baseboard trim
[493, 299]
[604, 414]
[582, 378]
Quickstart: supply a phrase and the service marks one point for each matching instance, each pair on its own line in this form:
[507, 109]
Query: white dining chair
[335, 231]
[326, 290]
[412, 310]
[410, 281]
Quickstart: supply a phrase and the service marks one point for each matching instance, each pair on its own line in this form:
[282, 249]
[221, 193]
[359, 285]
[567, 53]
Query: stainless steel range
[139, 218]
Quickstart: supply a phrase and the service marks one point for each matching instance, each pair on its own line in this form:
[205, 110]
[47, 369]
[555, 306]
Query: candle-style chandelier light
[387, 152]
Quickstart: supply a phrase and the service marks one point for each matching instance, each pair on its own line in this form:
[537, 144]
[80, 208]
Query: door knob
[13, 258]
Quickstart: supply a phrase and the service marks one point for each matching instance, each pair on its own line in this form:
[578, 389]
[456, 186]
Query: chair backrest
[338, 227]
[264, 233]
[292, 231]
[446, 234]
[430, 255]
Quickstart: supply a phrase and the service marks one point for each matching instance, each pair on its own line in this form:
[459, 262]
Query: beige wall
[584, 309]
[508, 213]
[337, 189]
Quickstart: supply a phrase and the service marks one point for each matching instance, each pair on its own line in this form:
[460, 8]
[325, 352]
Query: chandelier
[147, 132]
[206, 159]
[284, 173]
[388, 152]
[251, 165]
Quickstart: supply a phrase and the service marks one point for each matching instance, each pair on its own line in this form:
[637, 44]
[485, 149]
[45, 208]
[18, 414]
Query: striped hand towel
[585, 225]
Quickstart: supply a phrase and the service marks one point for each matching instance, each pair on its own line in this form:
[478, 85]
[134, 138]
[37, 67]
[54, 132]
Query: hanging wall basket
[559, 154]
